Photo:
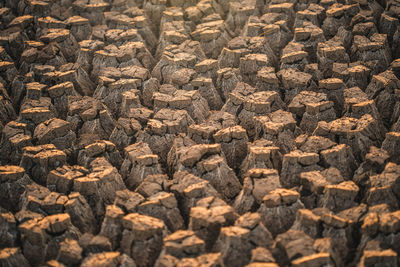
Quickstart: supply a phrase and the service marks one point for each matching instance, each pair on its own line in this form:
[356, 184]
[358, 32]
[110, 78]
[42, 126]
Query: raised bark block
[142, 238]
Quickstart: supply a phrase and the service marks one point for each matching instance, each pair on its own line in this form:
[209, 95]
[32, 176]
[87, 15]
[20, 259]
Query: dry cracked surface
[219, 133]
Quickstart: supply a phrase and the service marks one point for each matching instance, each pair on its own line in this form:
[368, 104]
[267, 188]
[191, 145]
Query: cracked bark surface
[199, 133]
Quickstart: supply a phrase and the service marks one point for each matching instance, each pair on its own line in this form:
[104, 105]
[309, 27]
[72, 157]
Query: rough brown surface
[212, 133]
